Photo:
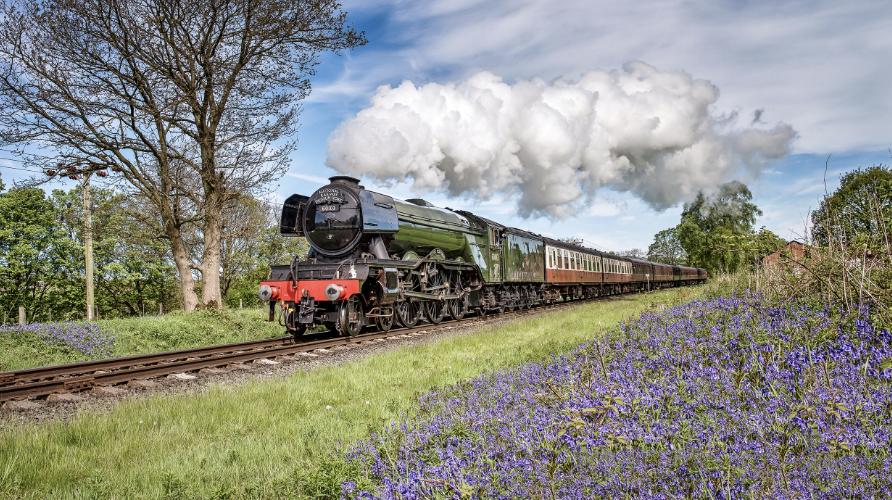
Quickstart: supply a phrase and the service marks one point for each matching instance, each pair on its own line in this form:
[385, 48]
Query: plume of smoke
[553, 145]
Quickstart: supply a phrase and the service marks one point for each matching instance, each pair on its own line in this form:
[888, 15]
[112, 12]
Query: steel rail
[36, 382]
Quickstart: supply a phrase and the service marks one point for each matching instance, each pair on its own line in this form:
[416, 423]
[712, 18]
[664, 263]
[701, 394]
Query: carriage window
[566, 259]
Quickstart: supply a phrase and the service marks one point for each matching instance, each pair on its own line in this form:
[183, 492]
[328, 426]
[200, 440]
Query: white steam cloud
[555, 144]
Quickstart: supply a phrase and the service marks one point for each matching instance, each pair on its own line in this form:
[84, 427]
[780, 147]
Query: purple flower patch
[725, 398]
[86, 339]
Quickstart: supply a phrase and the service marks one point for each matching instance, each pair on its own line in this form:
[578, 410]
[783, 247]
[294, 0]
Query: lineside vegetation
[47, 344]
[276, 438]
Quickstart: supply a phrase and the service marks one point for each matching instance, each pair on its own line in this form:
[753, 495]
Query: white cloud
[553, 145]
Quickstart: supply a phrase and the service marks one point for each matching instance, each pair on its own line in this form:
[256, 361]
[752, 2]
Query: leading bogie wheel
[384, 323]
[351, 316]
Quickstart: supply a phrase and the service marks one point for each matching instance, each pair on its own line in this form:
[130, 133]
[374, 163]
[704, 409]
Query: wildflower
[725, 398]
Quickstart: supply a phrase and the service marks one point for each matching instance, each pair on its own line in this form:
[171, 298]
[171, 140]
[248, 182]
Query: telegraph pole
[88, 243]
[82, 174]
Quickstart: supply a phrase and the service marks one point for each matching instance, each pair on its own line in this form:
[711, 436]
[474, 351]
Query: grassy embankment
[55, 343]
[273, 439]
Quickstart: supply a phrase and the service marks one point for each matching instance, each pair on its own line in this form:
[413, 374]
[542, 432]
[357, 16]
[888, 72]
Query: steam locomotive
[376, 259]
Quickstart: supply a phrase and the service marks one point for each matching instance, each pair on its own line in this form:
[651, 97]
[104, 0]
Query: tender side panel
[523, 259]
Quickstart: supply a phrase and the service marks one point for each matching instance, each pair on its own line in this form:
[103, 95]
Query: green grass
[274, 439]
[177, 330]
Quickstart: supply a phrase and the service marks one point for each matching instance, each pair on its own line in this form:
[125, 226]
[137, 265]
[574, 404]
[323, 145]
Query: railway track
[38, 382]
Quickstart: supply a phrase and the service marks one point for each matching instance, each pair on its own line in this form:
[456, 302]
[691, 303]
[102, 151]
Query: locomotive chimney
[346, 181]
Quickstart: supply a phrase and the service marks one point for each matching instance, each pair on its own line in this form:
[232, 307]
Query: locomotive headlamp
[334, 292]
[267, 292]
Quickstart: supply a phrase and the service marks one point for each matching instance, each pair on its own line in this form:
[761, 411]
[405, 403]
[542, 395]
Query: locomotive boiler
[376, 259]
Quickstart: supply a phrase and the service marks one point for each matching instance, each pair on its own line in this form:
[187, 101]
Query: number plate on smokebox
[329, 208]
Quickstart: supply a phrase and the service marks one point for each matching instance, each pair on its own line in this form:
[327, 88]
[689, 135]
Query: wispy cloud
[310, 178]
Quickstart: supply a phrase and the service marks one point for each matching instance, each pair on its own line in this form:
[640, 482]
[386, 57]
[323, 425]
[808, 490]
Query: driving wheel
[457, 308]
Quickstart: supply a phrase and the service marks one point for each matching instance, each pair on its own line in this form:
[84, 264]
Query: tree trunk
[210, 261]
[184, 266]
[212, 226]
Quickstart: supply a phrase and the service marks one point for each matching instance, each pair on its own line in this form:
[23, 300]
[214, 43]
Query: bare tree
[635, 253]
[194, 103]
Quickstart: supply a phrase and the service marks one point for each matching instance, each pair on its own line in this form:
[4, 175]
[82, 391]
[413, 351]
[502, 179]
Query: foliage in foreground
[725, 398]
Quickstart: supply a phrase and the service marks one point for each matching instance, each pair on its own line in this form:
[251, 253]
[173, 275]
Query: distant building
[794, 249]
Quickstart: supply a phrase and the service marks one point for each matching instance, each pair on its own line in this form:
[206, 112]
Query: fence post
[96, 312]
[239, 303]
[21, 315]
[51, 315]
[160, 309]
[4, 318]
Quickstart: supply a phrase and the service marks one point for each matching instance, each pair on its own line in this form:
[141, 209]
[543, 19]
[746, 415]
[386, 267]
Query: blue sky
[820, 67]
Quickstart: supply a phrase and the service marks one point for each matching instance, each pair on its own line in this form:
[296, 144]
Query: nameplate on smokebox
[330, 196]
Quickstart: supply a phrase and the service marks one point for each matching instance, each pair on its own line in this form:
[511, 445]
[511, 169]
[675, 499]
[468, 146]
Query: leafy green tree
[858, 211]
[33, 251]
[715, 230]
[667, 248]
[766, 242]
[133, 270]
[251, 244]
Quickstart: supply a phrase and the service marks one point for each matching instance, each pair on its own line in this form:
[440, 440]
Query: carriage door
[495, 254]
